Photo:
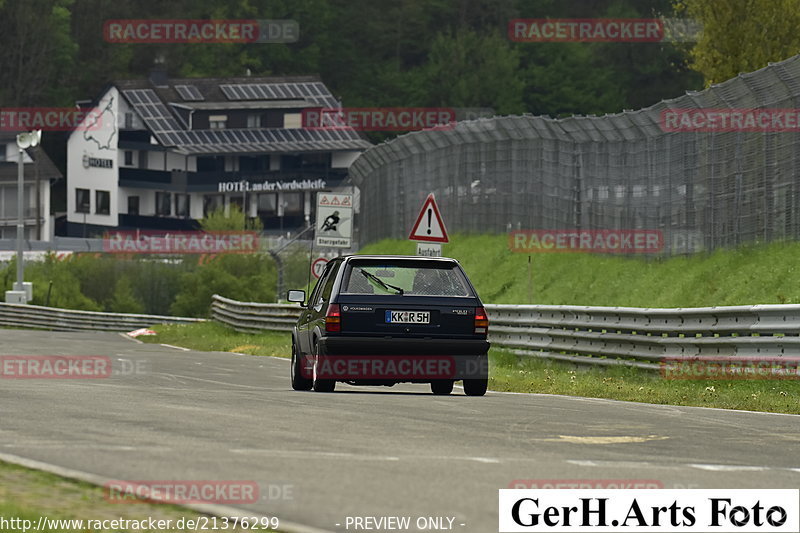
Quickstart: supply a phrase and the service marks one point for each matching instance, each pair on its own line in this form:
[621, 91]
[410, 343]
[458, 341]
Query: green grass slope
[748, 275]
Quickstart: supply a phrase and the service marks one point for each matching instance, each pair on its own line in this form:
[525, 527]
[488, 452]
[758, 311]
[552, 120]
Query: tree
[38, 50]
[217, 220]
[124, 300]
[468, 69]
[741, 35]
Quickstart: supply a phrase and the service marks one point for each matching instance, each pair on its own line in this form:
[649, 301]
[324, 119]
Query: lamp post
[24, 140]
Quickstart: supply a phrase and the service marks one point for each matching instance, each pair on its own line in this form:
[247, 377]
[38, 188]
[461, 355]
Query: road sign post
[334, 226]
[429, 230]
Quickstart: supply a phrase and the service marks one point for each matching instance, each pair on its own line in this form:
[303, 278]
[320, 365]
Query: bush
[249, 277]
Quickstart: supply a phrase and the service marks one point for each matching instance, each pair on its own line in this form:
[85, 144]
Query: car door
[323, 299]
[314, 315]
[307, 315]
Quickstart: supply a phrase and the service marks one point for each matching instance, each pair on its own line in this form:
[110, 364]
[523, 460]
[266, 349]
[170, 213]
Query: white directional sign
[334, 220]
[429, 249]
[429, 226]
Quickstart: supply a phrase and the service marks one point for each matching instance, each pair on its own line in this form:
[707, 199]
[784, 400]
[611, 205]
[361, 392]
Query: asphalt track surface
[364, 451]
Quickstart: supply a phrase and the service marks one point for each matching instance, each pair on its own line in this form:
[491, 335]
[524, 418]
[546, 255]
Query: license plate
[408, 317]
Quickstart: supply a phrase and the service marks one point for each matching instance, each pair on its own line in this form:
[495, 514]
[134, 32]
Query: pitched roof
[155, 105]
[46, 168]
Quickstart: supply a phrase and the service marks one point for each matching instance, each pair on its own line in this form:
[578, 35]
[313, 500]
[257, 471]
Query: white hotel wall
[81, 143]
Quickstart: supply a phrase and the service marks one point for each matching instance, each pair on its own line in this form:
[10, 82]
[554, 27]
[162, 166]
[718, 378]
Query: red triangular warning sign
[324, 201]
[346, 200]
[335, 200]
[429, 225]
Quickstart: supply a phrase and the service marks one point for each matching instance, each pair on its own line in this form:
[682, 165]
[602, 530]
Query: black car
[382, 320]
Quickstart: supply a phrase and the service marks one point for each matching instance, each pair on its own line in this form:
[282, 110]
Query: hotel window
[8, 208]
[237, 201]
[182, 205]
[211, 163]
[128, 158]
[315, 161]
[212, 202]
[258, 163]
[133, 205]
[253, 121]
[217, 122]
[102, 202]
[163, 204]
[292, 203]
[268, 204]
[82, 200]
[293, 121]
[291, 162]
[129, 121]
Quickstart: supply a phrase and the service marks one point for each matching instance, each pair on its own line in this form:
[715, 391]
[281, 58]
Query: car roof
[348, 258]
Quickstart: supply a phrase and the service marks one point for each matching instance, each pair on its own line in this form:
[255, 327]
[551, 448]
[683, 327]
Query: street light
[25, 140]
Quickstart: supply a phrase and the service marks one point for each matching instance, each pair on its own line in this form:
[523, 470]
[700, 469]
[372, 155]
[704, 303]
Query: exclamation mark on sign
[430, 214]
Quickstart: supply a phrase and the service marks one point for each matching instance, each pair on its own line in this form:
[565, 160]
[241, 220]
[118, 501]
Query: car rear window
[415, 279]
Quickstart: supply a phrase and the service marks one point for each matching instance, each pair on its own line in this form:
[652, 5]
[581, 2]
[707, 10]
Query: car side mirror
[296, 296]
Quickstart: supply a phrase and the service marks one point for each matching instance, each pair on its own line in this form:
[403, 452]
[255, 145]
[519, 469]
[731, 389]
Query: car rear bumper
[345, 345]
[371, 360]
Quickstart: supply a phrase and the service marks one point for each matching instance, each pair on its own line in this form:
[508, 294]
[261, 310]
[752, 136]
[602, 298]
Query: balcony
[144, 178]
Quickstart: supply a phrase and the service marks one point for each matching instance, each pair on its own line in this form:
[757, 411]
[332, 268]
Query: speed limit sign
[318, 266]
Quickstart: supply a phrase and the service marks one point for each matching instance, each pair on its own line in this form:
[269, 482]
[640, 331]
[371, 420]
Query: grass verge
[509, 372]
[513, 373]
[212, 336]
[27, 494]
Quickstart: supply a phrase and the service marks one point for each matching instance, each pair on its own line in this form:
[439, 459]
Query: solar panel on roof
[228, 92]
[189, 93]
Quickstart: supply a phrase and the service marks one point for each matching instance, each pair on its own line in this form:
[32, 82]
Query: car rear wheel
[442, 386]
[299, 381]
[320, 385]
[476, 387]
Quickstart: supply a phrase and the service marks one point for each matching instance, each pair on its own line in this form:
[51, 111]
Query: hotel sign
[97, 162]
[267, 186]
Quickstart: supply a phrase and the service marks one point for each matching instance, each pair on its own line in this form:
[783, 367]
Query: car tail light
[481, 321]
[333, 319]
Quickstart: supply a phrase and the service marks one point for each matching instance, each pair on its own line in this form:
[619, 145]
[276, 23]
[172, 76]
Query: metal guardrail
[646, 336]
[630, 336]
[52, 318]
[252, 317]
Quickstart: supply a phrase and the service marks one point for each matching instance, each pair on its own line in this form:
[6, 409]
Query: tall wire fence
[703, 190]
